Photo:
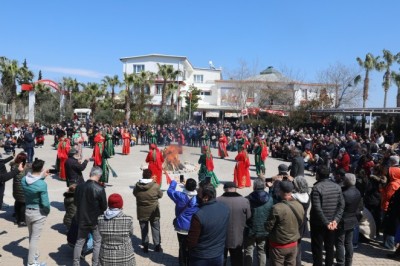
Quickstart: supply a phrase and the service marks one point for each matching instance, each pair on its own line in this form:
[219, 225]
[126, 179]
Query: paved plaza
[53, 243]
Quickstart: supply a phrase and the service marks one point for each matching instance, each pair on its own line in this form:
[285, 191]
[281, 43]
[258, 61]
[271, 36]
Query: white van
[82, 114]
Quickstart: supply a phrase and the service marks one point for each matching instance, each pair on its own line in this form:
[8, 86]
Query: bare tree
[345, 91]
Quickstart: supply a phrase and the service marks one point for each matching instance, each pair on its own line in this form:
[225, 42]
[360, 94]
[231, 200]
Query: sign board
[212, 114]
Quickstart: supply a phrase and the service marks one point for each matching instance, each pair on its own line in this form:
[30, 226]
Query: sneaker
[21, 224]
[158, 248]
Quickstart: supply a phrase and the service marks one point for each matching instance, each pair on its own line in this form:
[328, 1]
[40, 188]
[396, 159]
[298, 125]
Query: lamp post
[190, 105]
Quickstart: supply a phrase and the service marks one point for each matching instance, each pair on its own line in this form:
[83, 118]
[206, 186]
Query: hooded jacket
[185, 206]
[35, 192]
[391, 187]
[260, 204]
[147, 193]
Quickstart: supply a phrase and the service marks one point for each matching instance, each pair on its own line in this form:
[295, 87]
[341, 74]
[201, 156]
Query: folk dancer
[207, 167]
[155, 160]
[241, 173]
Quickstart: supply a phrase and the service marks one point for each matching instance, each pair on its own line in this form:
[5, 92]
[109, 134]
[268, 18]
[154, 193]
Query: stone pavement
[55, 251]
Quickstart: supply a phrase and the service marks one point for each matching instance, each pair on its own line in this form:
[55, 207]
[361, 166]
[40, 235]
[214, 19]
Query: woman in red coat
[126, 142]
[343, 160]
[241, 175]
[155, 160]
[222, 141]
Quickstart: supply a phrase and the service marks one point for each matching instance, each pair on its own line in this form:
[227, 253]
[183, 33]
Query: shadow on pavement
[60, 228]
[64, 256]
[16, 250]
[58, 205]
[7, 214]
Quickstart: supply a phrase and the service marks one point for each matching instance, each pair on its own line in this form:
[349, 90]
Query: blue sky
[85, 39]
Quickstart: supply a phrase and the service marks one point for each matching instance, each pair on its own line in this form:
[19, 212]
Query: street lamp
[190, 105]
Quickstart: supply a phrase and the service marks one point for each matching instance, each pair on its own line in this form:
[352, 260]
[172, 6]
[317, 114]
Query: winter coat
[304, 200]
[391, 187]
[297, 166]
[70, 208]
[352, 199]
[283, 224]
[239, 213]
[35, 192]
[18, 191]
[327, 203]
[185, 206]
[260, 205]
[90, 200]
[147, 193]
[116, 244]
[73, 170]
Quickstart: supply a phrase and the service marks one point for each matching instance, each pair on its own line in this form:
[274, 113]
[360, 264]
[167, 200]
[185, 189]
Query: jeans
[282, 256]
[322, 237]
[344, 247]
[217, 261]
[30, 152]
[80, 242]
[35, 222]
[236, 256]
[249, 243]
[2, 188]
[183, 252]
[155, 232]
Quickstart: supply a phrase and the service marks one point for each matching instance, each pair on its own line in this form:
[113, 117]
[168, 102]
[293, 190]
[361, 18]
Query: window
[158, 89]
[138, 68]
[205, 93]
[198, 78]
[147, 90]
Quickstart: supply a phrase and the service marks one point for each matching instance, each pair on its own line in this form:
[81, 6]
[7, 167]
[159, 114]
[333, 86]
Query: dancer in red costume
[126, 142]
[63, 148]
[155, 160]
[241, 173]
[222, 142]
[100, 156]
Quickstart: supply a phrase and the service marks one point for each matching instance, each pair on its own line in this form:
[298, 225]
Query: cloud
[71, 71]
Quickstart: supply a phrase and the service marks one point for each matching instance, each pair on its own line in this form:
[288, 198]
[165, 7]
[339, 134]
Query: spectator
[147, 193]
[387, 192]
[297, 166]
[255, 234]
[206, 237]
[185, 206]
[90, 200]
[351, 213]
[301, 195]
[69, 206]
[327, 205]
[239, 212]
[37, 207]
[18, 192]
[116, 229]
[29, 143]
[74, 168]
[5, 177]
[343, 160]
[283, 226]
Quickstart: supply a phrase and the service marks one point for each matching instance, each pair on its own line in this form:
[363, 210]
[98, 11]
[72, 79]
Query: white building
[225, 98]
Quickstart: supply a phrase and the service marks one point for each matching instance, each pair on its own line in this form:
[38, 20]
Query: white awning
[212, 114]
[232, 115]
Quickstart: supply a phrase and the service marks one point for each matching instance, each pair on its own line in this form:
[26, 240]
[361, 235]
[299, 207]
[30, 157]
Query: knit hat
[286, 186]
[115, 201]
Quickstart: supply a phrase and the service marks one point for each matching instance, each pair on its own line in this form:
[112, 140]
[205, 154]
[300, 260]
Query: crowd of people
[357, 180]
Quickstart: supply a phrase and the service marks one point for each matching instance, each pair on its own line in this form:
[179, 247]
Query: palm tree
[128, 82]
[168, 73]
[368, 64]
[10, 73]
[396, 80]
[385, 64]
[91, 93]
[141, 81]
[112, 82]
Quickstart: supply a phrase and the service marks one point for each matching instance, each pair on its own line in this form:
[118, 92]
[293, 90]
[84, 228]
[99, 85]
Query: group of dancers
[103, 149]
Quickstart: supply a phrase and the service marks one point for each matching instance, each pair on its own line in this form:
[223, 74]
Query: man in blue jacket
[186, 206]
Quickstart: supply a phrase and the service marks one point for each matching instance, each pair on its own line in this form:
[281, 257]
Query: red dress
[155, 160]
[126, 145]
[241, 174]
[98, 149]
[62, 153]
[222, 152]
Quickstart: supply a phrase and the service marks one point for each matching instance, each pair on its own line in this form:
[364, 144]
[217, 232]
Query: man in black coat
[74, 168]
[327, 206]
[297, 166]
[90, 200]
[352, 210]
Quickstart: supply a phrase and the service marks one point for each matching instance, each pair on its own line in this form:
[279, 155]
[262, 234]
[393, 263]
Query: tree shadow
[58, 205]
[64, 256]
[16, 250]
